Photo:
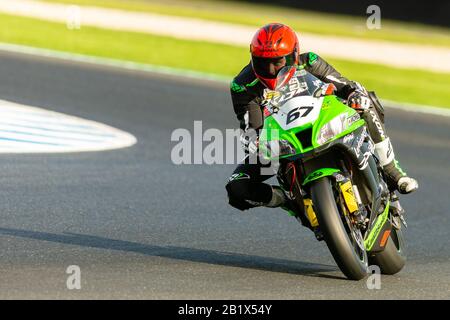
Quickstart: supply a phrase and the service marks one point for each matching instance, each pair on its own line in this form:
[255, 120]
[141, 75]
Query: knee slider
[237, 191]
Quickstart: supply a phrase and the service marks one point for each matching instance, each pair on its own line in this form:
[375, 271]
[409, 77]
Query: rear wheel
[344, 241]
[393, 258]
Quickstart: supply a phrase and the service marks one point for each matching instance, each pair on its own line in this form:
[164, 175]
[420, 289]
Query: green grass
[412, 86]
[300, 20]
[138, 47]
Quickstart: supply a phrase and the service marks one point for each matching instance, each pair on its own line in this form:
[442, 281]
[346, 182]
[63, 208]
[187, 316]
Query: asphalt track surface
[140, 227]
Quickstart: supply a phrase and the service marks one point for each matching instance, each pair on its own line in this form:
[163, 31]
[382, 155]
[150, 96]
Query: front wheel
[341, 240]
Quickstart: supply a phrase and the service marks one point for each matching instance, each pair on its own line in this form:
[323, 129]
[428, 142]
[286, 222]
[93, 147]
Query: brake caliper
[349, 196]
[352, 202]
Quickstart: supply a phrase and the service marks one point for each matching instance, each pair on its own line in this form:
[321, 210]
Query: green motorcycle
[327, 164]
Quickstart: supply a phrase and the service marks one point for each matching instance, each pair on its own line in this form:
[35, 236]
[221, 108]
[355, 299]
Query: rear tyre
[352, 261]
[393, 258]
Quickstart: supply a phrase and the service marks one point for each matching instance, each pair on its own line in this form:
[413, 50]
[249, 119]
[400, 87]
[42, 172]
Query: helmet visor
[268, 68]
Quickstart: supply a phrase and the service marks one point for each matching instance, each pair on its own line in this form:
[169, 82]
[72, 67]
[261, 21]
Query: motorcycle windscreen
[283, 76]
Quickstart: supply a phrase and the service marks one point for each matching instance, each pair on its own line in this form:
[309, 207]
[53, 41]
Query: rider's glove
[358, 100]
[325, 90]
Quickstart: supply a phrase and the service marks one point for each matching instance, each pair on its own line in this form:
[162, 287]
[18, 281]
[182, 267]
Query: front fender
[320, 173]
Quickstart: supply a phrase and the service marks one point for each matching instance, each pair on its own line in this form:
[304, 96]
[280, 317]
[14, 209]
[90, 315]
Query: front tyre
[352, 262]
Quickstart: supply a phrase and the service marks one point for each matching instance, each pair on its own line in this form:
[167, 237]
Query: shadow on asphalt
[182, 253]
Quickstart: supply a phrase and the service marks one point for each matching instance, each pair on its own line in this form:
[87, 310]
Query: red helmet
[273, 47]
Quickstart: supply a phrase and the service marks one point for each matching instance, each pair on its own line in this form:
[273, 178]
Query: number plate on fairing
[298, 111]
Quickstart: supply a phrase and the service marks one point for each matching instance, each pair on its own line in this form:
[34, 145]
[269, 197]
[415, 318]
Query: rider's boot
[281, 199]
[397, 178]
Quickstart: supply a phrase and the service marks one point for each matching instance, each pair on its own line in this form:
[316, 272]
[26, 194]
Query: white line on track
[417, 108]
[27, 129]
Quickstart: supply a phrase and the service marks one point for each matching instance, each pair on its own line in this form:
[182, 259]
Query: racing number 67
[294, 114]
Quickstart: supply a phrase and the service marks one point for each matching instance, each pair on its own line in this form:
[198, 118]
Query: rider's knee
[237, 190]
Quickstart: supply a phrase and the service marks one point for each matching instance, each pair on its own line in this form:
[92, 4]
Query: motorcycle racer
[276, 46]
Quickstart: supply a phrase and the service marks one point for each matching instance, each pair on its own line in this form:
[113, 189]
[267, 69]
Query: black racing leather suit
[245, 187]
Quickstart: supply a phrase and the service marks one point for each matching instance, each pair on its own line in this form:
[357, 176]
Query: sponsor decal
[353, 119]
[294, 88]
[316, 174]
[275, 98]
[370, 145]
[389, 151]
[349, 197]
[271, 98]
[236, 87]
[378, 124]
[339, 177]
[359, 143]
[349, 137]
[238, 176]
[312, 58]
[365, 161]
